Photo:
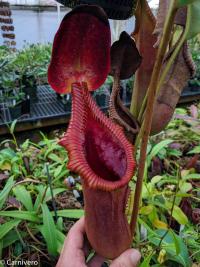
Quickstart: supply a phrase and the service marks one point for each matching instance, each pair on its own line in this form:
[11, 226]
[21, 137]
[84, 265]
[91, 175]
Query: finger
[130, 258]
[75, 237]
[73, 246]
[96, 261]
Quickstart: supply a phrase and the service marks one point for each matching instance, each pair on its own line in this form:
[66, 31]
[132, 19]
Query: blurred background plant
[195, 47]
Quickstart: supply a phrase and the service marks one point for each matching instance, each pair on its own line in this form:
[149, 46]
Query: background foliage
[37, 208]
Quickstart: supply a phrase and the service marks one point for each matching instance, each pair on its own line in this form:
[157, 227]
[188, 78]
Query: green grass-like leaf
[23, 196]
[6, 227]
[177, 214]
[4, 193]
[24, 215]
[48, 230]
[155, 150]
[72, 214]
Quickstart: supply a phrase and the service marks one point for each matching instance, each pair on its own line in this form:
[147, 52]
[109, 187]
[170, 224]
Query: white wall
[33, 2]
[152, 3]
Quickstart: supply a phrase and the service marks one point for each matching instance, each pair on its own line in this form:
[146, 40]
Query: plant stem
[51, 190]
[149, 110]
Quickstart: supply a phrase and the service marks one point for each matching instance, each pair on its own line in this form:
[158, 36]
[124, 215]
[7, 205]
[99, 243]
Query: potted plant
[29, 85]
[65, 99]
[194, 84]
[102, 96]
[18, 104]
[129, 89]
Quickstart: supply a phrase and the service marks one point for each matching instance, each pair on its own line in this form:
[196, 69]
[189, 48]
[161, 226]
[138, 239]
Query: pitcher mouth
[98, 149]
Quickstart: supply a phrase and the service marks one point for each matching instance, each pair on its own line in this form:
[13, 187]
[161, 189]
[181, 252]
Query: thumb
[130, 258]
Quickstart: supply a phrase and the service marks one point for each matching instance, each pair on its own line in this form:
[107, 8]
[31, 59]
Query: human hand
[76, 249]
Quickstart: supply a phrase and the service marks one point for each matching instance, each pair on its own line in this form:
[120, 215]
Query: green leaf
[193, 21]
[156, 179]
[59, 224]
[177, 213]
[155, 150]
[48, 230]
[146, 261]
[58, 170]
[191, 176]
[40, 188]
[25, 145]
[60, 237]
[4, 193]
[54, 157]
[11, 237]
[56, 191]
[142, 222]
[181, 3]
[23, 196]
[185, 187]
[146, 210]
[24, 215]
[176, 242]
[171, 248]
[74, 214]
[6, 227]
[12, 127]
[195, 150]
[1, 249]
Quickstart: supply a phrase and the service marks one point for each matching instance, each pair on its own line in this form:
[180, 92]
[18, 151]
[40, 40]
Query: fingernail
[135, 256]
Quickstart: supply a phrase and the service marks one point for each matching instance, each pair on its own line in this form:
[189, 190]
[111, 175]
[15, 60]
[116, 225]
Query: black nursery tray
[190, 94]
[48, 110]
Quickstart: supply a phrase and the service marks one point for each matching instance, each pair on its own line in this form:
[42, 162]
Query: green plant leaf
[11, 237]
[8, 153]
[185, 187]
[48, 230]
[24, 215]
[156, 179]
[60, 237]
[192, 176]
[155, 150]
[23, 196]
[25, 145]
[146, 261]
[181, 3]
[145, 210]
[177, 213]
[54, 157]
[12, 127]
[4, 193]
[56, 191]
[58, 170]
[176, 242]
[74, 214]
[193, 21]
[1, 249]
[6, 227]
[169, 245]
[195, 150]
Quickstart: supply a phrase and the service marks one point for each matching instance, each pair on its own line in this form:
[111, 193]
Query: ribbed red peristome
[98, 149]
[81, 50]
